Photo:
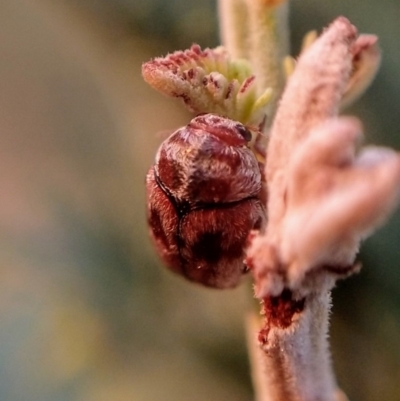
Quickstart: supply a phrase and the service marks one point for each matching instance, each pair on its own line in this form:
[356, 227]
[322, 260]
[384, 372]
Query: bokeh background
[86, 311]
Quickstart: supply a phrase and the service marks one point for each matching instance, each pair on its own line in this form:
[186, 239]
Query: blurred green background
[86, 311]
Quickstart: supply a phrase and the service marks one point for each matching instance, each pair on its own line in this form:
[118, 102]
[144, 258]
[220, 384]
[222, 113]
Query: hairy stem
[233, 27]
[290, 357]
[269, 44]
[258, 31]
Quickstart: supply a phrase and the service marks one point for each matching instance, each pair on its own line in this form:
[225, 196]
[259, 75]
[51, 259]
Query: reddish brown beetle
[203, 196]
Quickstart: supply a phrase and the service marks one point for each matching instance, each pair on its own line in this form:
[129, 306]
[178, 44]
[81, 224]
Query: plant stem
[258, 31]
[292, 363]
[233, 27]
[269, 44]
[322, 197]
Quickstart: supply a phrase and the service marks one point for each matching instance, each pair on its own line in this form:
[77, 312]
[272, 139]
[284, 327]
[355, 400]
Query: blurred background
[86, 311]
